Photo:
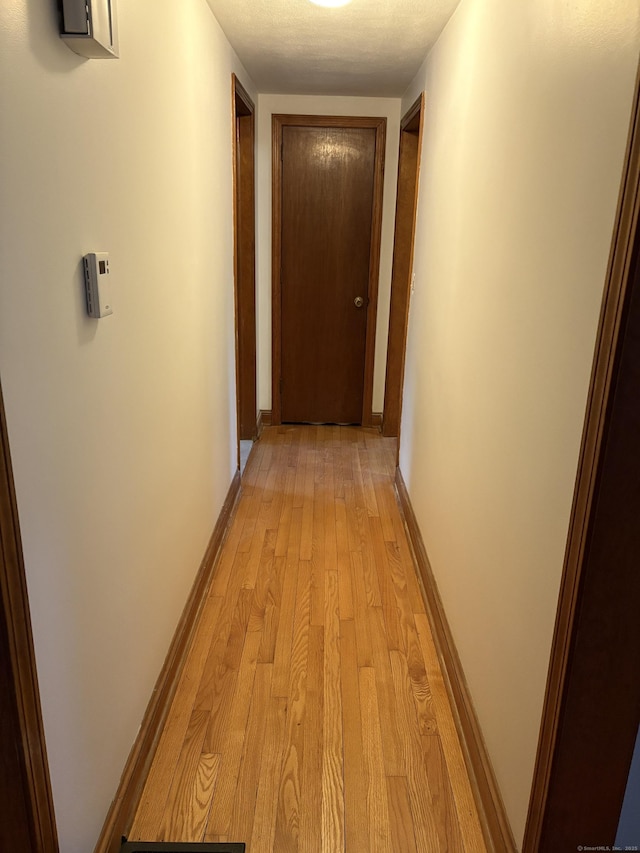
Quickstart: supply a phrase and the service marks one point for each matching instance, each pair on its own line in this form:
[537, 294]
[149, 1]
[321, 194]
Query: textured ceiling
[370, 47]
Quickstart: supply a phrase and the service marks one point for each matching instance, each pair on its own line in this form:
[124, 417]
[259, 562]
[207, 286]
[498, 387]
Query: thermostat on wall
[97, 285]
[89, 27]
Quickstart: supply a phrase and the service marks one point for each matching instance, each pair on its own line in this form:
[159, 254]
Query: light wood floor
[311, 714]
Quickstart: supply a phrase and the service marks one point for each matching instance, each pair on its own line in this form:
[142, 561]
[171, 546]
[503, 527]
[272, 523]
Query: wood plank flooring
[311, 716]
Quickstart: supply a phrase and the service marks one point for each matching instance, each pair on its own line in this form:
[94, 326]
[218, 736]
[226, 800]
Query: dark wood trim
[374, 272]
[493, 818]
[243, 122]
[412, 119]
[574, 587]
[244, 97]
[411, 128]
[16, 619]
[276, 263]
[278, 122]
[376, 419]
[122, 812]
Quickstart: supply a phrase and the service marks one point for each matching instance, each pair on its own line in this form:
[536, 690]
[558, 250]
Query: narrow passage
[311, 715]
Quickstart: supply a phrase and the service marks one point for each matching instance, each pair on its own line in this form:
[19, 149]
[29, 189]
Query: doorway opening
[401, 278]
[244, 265]
[27, 821]
[591, 712]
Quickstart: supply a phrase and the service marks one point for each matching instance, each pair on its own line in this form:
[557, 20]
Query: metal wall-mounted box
[90, 27]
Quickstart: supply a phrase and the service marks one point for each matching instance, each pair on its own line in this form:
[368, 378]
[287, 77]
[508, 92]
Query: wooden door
[329, 230]
[327, 199]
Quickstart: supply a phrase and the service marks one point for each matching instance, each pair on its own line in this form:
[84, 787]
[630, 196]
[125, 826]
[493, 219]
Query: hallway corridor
[311, 715]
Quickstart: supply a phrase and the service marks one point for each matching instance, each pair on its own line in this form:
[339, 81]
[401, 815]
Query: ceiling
[369, 47]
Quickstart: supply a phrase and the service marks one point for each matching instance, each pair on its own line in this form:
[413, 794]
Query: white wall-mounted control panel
[89, 27]
[97, 284]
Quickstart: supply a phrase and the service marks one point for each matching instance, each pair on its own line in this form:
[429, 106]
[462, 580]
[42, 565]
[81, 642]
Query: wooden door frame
[280, 121]
[582, 572]
[243, 125]
[412, 124]
[15, 607]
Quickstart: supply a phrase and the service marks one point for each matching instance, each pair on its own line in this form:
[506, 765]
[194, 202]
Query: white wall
[320, 105]
[122, 430]
[527, 113]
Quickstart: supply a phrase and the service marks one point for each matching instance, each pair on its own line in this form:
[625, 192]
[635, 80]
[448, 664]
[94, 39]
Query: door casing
[411, 127]
[244, 259]
[279, 121]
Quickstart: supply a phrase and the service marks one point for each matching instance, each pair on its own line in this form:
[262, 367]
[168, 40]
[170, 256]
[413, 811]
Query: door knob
[358, 301]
